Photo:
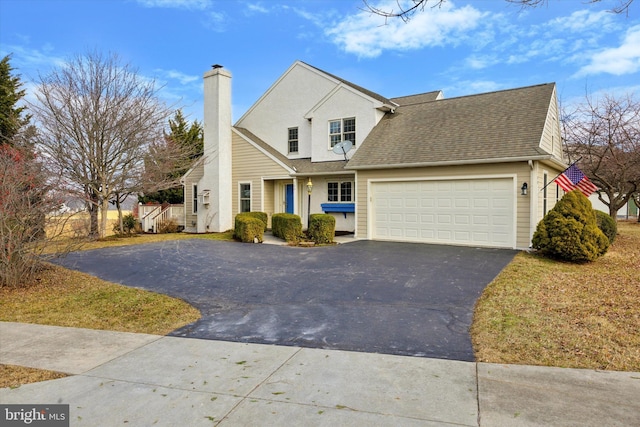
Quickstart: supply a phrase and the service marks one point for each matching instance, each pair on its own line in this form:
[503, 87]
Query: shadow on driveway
[382, 297]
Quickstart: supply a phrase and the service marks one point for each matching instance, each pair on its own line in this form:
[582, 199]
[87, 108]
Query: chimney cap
[215, 66]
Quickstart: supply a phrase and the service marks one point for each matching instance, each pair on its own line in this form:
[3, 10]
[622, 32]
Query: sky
[461, 47]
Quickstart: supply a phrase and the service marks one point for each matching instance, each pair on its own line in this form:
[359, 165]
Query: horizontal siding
[194, 176]
[251, 165]
[520, 169]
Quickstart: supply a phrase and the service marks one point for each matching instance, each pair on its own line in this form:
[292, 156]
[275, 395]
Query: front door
[288, 198]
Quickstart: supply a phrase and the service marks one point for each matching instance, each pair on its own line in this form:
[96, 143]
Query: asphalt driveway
[383, 297]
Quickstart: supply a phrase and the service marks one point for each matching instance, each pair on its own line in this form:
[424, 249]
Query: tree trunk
[104, 208]
[92, 206]
[119, 207]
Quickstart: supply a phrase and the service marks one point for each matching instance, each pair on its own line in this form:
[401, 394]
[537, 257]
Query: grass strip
[550, 313]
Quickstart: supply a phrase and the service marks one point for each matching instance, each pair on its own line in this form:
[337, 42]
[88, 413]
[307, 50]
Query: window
[340, 191]
[332, 190]
[545, 178]
[342, 130]
[293, 140]
[245, 197]
[345, 191]
[195, 198]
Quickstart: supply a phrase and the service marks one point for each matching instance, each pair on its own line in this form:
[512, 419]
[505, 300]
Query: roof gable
[477, 128]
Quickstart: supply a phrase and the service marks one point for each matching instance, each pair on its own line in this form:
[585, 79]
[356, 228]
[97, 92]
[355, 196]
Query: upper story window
[342, 130]
[340, 191]
[293, 140]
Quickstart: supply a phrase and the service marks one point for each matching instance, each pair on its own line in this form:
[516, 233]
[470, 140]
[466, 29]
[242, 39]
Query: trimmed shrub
[262, 216]
[569, 231]
[248, 228]
[287, 226]
[607, 225]
[322, 228]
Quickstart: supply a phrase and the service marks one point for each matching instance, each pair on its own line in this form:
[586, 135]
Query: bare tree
[97, 119]
[604, 136]
[407, 8]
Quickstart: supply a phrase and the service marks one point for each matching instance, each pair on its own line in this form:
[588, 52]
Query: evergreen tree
[190, 140]
[12, 119]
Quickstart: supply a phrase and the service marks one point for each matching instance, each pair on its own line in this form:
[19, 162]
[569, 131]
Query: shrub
[168, 226]
[287, 226]
[607, 225]
[569, 231]
[248, 228]
[129, 225]
[262, 216]
[322, 228]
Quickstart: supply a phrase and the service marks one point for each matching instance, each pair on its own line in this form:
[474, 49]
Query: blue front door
[289, 198]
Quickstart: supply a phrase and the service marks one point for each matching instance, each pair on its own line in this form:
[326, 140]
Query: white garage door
[475, 212]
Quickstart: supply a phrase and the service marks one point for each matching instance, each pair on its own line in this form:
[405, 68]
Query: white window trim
[194, 198]
[353, 189]
[341, 120]
[290, 140]
[240, 199]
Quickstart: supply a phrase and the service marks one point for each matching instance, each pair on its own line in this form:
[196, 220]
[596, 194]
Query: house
[468, 170]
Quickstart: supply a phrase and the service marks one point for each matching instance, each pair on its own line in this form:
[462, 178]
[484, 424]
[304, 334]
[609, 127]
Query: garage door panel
[468, 212]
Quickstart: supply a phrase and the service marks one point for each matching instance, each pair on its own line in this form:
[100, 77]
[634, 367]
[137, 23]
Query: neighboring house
[629, 210]
[422, 168]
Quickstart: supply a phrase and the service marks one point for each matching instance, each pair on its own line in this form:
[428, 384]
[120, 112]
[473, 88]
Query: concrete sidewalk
[142, 379]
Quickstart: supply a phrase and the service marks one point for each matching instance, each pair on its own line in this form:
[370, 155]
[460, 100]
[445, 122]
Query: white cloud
[470, 87]
[177, 4]
[624, 59]
[367, 35]
[256, 8]
[478, 62]
[215, 21]
[181, 77]
[582, 20]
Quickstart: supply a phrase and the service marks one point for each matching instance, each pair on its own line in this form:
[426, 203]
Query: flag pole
[550, 182]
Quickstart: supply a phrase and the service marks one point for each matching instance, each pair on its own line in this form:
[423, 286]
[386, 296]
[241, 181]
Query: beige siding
[521, 170]
[551, 140]
[554, 193]
[192, 178]
[250, 165]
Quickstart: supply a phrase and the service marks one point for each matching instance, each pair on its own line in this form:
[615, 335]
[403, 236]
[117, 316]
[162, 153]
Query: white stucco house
[421, 168]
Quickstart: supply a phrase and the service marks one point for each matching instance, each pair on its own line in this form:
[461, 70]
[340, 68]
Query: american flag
[573, 178]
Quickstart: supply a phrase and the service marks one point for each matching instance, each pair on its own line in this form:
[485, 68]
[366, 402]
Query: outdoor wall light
[524, 189]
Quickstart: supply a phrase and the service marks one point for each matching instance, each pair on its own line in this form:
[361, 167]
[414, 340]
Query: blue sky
[462, 47]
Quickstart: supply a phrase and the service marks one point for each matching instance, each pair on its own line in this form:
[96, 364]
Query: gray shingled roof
[301, 166]
[496, 125]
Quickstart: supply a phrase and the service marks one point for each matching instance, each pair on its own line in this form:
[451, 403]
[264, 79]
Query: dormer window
[342, 130]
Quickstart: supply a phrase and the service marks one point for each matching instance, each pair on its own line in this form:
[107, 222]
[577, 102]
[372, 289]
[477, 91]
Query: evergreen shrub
[322, 228]
[248, 228]
[287, 226]
[570, 232]
[607, 225]
[262, 216]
